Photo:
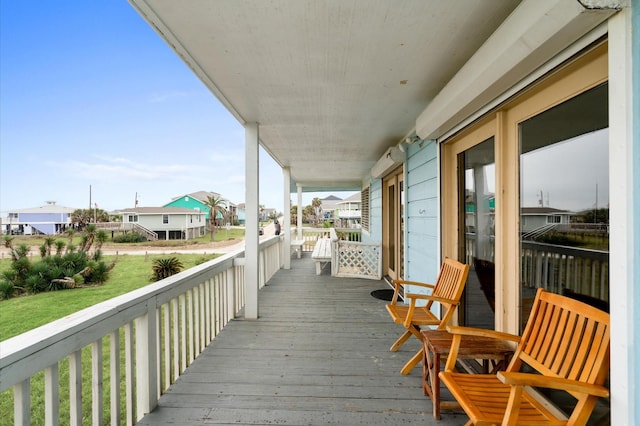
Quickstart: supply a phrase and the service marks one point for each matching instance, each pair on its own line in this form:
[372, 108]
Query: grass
[21, 314]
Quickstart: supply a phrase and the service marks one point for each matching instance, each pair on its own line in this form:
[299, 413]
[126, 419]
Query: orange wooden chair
[446, 291]
[565, 341]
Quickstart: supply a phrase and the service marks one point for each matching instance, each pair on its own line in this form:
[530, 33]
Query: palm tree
[316, 203]
[216, 205]
[48, 243]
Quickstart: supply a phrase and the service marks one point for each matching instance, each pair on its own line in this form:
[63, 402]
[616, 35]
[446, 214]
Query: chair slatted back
[565, 338]
[450, 285]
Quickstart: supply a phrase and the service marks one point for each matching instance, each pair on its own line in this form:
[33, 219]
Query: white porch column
[299, 224]
[252, 240]
[286, 218]
[624, 177]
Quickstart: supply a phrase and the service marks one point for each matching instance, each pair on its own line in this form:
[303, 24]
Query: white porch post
[623, 182]
[252, 240]
[299, 224]
[286, 218]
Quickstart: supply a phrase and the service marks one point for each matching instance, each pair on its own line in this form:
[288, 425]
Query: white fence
[153, 335]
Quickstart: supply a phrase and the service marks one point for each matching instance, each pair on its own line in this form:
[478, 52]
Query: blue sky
[91, 97]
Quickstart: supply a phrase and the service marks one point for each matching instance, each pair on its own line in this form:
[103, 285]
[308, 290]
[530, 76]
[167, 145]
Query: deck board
[318, 354]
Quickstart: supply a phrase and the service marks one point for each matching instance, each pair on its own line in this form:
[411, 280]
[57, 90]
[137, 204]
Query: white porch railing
[350, 257]
[127, 226]
[153, 335]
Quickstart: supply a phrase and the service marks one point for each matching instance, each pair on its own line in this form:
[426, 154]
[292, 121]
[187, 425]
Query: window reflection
[479, 233]
[564, 201]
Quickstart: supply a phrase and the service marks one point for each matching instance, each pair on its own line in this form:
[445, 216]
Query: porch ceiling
[332, 84]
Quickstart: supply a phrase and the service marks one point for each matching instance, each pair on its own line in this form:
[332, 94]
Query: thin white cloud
[168, 96]
[122, 169]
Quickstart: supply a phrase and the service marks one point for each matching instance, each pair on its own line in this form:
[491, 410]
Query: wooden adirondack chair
[565, 341]
[447, 291]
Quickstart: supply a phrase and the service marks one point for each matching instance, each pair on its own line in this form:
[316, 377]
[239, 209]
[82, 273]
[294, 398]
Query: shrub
[7, 290]
[131, 237]
[165, 267]
[54, 271]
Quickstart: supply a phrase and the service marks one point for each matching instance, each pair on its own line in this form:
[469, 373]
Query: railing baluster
[114, 380]
[75, 388]
[96, 382]
[22, 403]
[158, 342]
[176, 337]
[167, 346]
[130, 407]
[191, 334]
[183, 331]
[146, 362]
[51, 396]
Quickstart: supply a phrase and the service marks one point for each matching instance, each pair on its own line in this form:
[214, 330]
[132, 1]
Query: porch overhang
[334, 84]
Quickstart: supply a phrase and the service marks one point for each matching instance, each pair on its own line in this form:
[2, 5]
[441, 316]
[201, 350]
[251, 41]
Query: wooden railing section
[127, 226]
[153, 334]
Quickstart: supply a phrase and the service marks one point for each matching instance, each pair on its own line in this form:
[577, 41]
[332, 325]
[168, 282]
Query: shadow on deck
[318, 354]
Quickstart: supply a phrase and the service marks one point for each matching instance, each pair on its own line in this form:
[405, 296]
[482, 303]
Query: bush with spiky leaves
[165, 267]
[56, 270]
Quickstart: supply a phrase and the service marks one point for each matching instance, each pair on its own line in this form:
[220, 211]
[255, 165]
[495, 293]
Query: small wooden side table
[495, 356]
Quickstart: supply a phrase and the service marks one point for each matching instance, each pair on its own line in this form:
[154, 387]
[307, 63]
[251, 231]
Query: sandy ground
[220, 247]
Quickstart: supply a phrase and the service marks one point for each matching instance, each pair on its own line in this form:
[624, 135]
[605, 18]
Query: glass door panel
[477, 232]
[564, 201]
[393, 225]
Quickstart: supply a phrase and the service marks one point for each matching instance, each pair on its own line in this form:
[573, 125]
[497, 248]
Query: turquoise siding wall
[191, 204]
[635, 113]
[421, 212]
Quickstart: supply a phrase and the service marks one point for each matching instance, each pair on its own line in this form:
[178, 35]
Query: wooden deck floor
[318, 354]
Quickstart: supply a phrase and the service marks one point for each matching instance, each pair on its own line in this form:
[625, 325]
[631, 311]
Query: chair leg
[415, 360]
[405, 336]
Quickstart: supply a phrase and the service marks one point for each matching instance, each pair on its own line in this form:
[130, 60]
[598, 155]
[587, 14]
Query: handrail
[172, 320]
[126, 226]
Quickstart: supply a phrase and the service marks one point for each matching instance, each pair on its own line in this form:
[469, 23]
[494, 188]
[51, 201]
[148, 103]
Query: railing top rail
[567, 250]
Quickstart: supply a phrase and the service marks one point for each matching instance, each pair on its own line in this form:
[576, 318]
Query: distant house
[170, 223]
[347, 213]
[532, 218]
[341, 213]
[198, 201]
[49, 219]
[241, 212]
[267, 213]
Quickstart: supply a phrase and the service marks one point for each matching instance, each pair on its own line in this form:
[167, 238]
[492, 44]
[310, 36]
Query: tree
[83, 217]
[216, 205]
[307, 214]
[316, 203]
[294, 214]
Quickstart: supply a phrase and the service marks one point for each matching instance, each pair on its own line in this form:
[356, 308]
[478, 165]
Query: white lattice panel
[358, 260]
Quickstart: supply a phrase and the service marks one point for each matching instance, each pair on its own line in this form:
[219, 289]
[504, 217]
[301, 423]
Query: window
[133, 218]
[554, 219]
[364, 217]
[165, 218]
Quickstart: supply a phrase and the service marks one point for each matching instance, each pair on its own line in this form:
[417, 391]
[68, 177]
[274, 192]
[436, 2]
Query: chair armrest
[414, 296]
[405, 282]
[398, 283]
[483, 332]
[537, 380]
[458, 332]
